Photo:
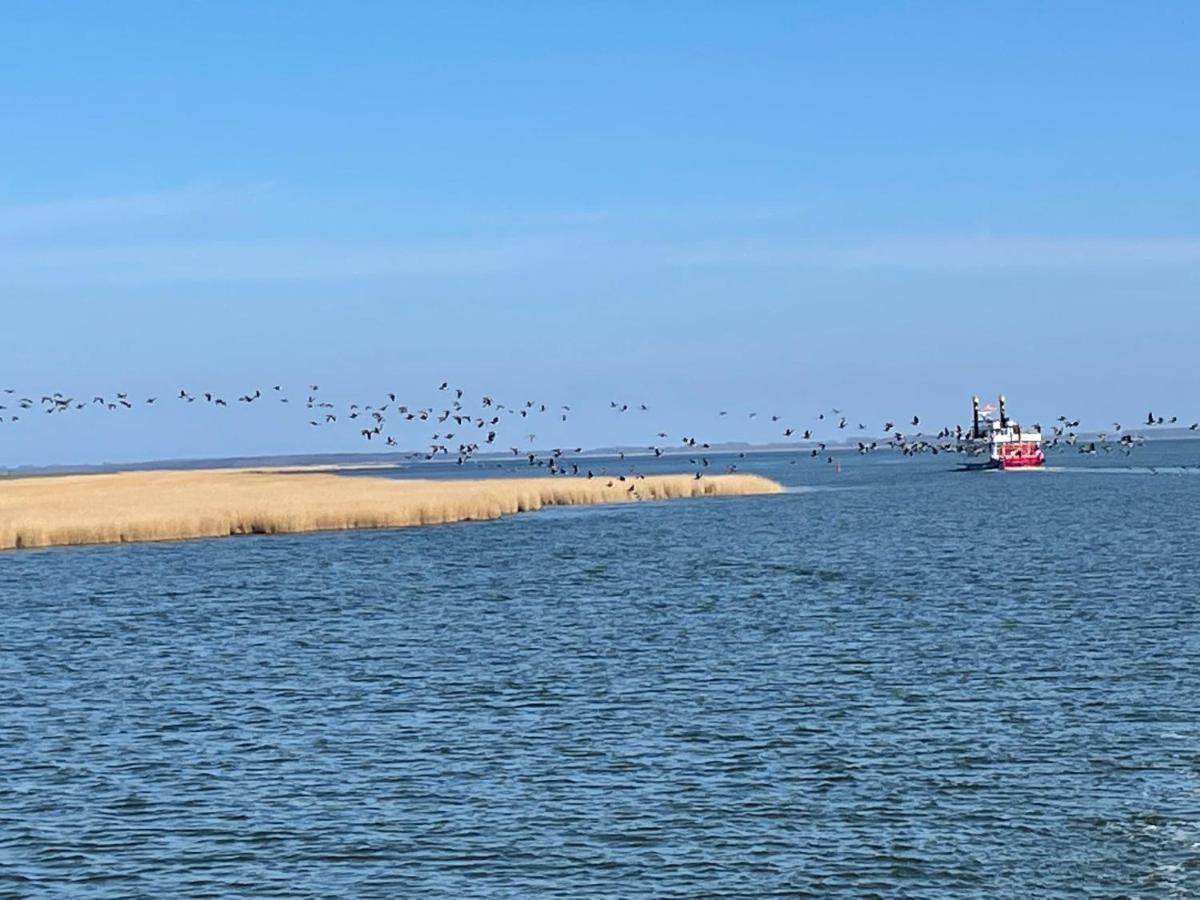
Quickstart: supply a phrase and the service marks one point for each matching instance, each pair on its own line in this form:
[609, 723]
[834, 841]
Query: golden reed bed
[175, 505]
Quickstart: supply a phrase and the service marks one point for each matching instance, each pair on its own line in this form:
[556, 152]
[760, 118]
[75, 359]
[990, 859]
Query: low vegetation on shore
[176, 505]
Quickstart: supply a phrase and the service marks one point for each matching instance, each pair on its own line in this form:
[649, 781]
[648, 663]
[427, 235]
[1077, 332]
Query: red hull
[1030, 461]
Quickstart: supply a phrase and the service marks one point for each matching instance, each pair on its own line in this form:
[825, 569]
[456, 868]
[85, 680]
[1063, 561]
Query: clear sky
[777, 207]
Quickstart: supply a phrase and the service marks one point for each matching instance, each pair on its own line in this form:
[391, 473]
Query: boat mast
[1003, 417]
[975, 416]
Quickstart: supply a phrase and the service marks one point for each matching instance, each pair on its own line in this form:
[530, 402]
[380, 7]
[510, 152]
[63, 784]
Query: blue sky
[771, 207]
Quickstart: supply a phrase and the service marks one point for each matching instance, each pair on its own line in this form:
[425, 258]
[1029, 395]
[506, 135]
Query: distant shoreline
[333, 461]
[165, 505]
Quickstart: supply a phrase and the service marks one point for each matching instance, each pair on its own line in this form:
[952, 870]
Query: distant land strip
[413, 460]
[127, 507]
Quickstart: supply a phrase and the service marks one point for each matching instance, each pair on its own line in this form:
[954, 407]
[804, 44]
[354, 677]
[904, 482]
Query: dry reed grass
[176, 505]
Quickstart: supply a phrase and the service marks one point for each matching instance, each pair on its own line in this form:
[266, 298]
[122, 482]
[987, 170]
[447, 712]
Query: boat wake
[1123, 470]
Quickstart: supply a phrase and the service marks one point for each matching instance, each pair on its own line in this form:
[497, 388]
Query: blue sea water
[893, 680]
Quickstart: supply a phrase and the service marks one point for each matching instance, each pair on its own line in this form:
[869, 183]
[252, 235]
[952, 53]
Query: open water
[894, 680]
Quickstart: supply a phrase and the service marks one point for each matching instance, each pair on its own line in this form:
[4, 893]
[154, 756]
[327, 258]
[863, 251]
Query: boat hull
[978, 465]
[1011, 456]
[1024, 461]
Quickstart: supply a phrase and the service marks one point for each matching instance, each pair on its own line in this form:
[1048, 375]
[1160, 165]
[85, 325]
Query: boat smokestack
[1003, 417]
[975, 416]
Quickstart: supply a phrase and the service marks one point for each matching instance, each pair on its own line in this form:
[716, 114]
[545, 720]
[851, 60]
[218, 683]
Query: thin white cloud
[77, 213]
[117, 239]
[260, 260]
[270, 260]
[935, 252]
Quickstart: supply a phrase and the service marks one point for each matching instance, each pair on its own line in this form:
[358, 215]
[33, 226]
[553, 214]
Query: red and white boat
[999, 443]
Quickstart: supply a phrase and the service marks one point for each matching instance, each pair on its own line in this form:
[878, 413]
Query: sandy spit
[176, 505]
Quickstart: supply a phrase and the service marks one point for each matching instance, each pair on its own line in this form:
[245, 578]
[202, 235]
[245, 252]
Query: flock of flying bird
[464, 427]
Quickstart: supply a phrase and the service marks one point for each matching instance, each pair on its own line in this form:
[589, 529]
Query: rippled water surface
[900, 681]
